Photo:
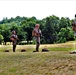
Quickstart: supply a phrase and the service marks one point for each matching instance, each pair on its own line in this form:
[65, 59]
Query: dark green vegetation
[54, 29]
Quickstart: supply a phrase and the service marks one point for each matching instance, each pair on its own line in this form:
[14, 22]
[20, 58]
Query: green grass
[52, 47]
[58, 61]
[42, 63]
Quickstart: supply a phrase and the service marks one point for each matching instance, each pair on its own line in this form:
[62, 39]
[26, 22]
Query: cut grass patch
[41, 63]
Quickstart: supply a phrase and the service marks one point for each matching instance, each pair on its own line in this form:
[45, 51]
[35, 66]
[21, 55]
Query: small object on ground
[73, 52]
[23, 50]
[6, 51]
[45, 50]
[35, 51]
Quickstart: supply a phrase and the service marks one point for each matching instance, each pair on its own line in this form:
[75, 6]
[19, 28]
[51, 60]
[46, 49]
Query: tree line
[54, 29]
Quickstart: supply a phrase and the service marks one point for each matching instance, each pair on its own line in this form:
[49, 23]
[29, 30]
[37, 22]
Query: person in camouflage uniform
[14, 39]
[74, 29]
[37, 33]
[74, 26]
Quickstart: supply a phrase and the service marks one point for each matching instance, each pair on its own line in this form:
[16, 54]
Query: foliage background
[54, 29]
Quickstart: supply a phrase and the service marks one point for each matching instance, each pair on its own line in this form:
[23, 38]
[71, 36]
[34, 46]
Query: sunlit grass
[41, 63]
[58, 61]
[51, 47]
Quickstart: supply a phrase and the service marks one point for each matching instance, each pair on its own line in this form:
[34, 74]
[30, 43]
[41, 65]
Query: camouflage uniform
[14, 42]
[74, 27]
[37, 38]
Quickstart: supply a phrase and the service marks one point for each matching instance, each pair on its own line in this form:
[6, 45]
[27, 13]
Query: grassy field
[58, 61]
[52, 47]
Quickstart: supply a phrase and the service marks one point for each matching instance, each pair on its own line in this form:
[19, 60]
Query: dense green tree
[28, 27]
[65, 34]
[54, 29]
[1, 38]
[6, 34]
[50, 33]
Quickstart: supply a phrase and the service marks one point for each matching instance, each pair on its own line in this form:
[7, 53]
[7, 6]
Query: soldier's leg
[75, 39]
[37, 44]
[14, 47]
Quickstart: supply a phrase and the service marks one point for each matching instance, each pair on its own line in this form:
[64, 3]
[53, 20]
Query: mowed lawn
[58, 61]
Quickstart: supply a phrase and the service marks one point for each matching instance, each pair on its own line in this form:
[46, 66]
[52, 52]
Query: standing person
[37, 33]
[74, 26]
[14, 39]
[74, 29]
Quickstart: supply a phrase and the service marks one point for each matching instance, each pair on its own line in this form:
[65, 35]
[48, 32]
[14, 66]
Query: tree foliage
[54, 29]
[1, 38]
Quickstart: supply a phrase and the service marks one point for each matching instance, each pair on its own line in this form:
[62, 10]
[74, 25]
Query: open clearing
[52, 47]
[41, 63]
[58, 61]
